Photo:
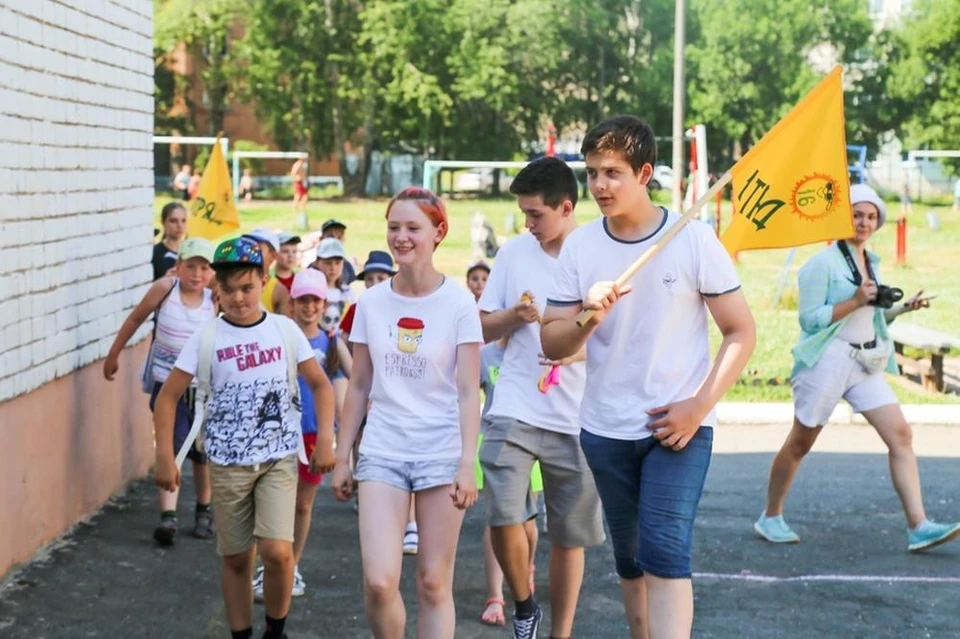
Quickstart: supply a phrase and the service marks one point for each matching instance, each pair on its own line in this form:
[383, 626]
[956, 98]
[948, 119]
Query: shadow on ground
[107, 578]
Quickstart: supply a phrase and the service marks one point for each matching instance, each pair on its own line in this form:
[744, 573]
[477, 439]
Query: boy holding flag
[648, 407]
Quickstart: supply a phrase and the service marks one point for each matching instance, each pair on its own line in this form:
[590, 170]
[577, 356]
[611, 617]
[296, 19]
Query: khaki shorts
[574, 514]
[253, 502]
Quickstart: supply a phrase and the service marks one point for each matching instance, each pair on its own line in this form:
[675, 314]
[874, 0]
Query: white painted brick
[76, 119]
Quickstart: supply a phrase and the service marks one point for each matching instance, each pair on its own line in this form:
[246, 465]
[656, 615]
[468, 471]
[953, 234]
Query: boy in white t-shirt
[530, 421]
[648, 404]
[252, 433]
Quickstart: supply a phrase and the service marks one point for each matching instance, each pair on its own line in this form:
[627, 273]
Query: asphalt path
[851, 575]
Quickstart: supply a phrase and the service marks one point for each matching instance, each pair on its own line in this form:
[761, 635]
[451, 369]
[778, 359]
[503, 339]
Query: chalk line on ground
[827, 578]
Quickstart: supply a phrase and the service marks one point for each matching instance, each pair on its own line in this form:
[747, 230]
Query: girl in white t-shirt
[416, 340]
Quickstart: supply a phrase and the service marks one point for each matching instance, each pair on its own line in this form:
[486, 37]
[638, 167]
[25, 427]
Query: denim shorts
[650, 495]
[412, 476]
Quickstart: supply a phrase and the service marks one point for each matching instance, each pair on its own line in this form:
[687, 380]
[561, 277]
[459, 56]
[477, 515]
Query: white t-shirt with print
[522, 265]
[652, 348]
[249, 419]
[413, 342]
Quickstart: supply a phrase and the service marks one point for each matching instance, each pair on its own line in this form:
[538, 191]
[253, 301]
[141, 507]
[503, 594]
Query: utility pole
[678, 94]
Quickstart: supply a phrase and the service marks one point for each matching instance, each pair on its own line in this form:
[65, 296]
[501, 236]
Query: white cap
[264, 235]
[330, 247]
[863, 193]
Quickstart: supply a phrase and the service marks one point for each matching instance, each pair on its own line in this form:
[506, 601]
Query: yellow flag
[213, 212]
[793, 187]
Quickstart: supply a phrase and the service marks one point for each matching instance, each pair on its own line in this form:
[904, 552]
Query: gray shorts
[410, 476]
[574, 514]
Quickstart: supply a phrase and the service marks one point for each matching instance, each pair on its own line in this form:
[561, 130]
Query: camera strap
[857, 278]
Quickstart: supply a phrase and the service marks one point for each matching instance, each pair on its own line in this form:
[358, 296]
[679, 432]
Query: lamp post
[678, 95]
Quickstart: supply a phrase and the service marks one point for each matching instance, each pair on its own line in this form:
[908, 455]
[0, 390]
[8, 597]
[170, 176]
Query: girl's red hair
[426, 201]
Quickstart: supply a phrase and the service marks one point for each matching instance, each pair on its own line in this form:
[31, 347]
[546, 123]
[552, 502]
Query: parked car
[662, 177]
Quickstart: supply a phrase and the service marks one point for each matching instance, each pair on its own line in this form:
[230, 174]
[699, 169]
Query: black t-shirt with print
[163, 260]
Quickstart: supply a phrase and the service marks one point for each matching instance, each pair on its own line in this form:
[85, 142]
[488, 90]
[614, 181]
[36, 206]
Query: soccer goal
[913, 155]
[313, 180]
[184, 139]
[930, 173]
[179, 139]
[432, 169]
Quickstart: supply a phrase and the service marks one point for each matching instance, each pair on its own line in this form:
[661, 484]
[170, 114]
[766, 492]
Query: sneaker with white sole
[258, 585]
[411, 539]
[299, 585]
[527, 627]
[775, 530]
[929, 533]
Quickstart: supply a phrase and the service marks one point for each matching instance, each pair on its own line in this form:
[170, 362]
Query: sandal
[490, 615]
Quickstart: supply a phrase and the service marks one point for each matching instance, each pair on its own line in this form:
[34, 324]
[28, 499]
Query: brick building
[76, 211]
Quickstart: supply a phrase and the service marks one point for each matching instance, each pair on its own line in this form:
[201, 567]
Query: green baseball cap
[196, 247]
[239, 250]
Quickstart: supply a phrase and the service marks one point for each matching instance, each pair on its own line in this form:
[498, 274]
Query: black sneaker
[527, 627]
[204, 528]
[166, 533]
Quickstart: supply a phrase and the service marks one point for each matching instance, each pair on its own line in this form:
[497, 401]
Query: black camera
[887, 296]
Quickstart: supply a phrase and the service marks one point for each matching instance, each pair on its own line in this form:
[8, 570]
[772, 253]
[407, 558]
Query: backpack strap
[289, 335]
[208, 342]
[156, 313]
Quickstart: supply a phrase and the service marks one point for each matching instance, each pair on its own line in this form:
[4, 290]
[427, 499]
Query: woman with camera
[843, 352]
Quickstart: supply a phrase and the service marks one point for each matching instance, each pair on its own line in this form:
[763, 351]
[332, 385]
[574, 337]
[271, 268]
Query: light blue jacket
[825, 280]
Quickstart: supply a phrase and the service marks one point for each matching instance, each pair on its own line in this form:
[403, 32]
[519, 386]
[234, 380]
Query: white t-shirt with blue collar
[652, 348]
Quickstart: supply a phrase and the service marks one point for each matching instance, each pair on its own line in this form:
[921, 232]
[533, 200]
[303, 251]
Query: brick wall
[76, 181]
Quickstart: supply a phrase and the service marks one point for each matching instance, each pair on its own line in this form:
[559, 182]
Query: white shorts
[818, 390]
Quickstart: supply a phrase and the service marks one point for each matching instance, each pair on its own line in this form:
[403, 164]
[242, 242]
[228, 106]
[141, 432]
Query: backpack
[208, 340]
[146, 373]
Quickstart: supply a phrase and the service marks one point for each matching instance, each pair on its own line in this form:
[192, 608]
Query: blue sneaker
[775, 530]
[928, 534]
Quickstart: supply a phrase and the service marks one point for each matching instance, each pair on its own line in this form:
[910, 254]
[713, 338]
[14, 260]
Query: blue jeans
[650, 495]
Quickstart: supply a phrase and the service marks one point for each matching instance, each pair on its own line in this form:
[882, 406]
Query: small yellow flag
[793, 187]
[213, 212]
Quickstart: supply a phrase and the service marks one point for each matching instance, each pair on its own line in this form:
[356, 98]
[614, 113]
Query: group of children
[263, 386]
[609, 415]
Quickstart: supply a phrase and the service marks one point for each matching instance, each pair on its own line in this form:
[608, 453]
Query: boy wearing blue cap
[275, 297]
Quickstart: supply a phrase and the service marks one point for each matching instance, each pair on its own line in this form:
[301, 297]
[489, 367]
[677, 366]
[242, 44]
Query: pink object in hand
[550, 378]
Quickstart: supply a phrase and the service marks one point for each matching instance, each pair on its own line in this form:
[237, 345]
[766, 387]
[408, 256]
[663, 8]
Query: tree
[300, 61]
[871, 105]
[203, 27]
[928, 75]
[752, 62]
[617, 58]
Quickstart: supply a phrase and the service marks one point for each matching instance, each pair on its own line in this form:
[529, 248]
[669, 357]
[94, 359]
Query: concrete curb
[782, 413]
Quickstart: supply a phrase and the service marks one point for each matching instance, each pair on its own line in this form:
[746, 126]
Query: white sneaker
[258, 585]
[411, 539]
[299, 585]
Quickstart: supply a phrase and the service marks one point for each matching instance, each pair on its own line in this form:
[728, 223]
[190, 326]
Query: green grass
[931, 265]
